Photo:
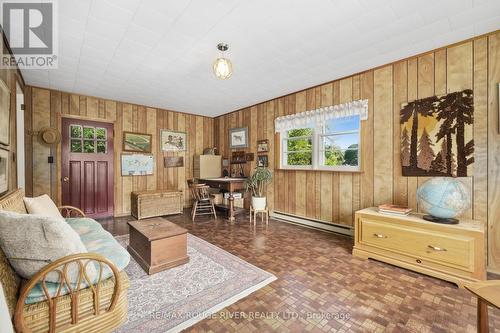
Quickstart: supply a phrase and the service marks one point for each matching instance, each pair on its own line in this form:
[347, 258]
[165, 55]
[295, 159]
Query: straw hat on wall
[49, 136]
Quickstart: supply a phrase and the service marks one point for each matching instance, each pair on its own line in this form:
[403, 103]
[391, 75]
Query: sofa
[87, 305]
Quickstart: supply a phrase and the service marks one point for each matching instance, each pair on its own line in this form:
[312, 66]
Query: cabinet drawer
[447, 249]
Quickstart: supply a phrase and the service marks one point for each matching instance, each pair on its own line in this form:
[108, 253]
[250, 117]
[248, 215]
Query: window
[333, 145]
[85, 139]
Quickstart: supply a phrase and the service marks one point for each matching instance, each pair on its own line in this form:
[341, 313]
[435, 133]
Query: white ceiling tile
[130, 5]
[74, 9]
[152, 20]
[106, 29]
[476, 14]
[485, 26]
[171, 8]
[106, 11]
[145, 36]
[432, 12]
[101, 43]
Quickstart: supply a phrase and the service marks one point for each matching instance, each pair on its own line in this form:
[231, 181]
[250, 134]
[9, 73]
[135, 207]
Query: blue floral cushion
[96, 240]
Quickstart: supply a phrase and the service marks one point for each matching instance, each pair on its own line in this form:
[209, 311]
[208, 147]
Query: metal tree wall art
[436, 135]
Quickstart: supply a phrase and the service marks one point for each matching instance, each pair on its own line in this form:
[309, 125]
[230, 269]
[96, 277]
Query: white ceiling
[160, 52]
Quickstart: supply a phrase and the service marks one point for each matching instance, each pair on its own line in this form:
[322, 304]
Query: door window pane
[101, 146]
[100, 133]
[88, 146]
[76, 146]
[76, 131]
[88, 132]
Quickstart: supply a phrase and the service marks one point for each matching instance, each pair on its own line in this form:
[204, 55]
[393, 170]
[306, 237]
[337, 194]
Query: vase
[259, 203]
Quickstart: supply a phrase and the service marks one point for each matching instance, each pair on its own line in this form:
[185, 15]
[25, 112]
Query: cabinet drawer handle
[435, 248]
[380, 236]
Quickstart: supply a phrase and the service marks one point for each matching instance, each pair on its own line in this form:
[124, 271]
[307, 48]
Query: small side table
[264, 212]
[488, 293]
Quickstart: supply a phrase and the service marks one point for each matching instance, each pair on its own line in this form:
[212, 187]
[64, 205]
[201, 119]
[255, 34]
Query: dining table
[227, 184]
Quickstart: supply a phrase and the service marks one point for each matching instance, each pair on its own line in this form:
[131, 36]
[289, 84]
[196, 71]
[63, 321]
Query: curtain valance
[321, 115]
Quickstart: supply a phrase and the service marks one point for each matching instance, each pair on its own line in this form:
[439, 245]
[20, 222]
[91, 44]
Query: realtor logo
[31, 29]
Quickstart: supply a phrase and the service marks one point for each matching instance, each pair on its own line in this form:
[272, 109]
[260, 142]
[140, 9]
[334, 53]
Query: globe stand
[435, 219]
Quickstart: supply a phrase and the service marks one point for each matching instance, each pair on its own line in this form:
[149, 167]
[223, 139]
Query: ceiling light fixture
[222, 66]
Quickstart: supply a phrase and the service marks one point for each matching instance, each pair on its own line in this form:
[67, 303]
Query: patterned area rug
[175, 299]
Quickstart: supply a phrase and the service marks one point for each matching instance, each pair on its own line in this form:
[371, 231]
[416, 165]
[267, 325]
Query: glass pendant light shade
[223, 68]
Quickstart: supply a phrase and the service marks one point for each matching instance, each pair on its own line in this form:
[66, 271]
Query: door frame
[67, 117]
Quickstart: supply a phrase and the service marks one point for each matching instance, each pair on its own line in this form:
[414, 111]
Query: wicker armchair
[88, 307]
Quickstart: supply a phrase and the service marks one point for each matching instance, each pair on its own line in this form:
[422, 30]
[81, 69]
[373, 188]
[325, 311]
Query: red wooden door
[87, 166]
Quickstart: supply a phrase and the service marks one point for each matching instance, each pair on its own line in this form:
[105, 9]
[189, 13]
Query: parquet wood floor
[321, 287]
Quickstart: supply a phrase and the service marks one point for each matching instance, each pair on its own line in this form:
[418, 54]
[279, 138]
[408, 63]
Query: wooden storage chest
[450, 252]
[156, 203]
[157, 244]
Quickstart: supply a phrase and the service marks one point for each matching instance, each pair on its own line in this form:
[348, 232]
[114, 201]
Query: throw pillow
[31, 242]
[42, 205]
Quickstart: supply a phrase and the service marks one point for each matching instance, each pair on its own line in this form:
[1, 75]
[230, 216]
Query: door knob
[66, 179]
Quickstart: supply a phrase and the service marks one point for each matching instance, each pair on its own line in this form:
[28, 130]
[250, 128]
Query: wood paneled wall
[10, 77]
[49, 106]
[334, 196]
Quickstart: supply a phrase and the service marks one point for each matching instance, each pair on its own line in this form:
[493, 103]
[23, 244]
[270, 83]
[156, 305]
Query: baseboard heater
[313, 223]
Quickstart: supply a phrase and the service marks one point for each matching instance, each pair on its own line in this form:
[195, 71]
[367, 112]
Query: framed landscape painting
[137, 142]
[437, 137]
[238, 137]
[4, 113]
[172, 140]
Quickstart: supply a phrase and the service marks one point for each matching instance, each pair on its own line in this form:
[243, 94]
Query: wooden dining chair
[203, 203]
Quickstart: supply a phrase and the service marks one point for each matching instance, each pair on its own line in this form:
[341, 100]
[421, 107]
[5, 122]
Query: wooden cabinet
[154, 203]
[207, 166]
[455, 253]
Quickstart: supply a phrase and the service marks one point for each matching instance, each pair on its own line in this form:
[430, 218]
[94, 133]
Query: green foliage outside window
[351, 155]
[88, 132]
[335, 156]
[100, 133]
[76, 131]
[300, 150]
[76, 146]
[101, 146]
[88, 146]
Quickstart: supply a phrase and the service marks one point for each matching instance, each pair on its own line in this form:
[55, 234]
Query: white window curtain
[321, 115]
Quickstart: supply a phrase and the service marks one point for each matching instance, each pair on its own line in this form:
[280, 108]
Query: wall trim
[313, 223]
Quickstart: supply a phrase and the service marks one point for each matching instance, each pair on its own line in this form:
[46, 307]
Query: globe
[444, 198]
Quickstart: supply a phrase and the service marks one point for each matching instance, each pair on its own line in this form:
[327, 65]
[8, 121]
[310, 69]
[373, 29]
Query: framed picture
[262, 161]
[137, 164]
[173, 161]
[263, 146]
[4, 171]
[4, 113]
[238, 137]
[137, 142]
[172, 140]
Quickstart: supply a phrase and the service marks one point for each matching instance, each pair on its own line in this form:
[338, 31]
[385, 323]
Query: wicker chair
[203, 203]
[98, 307]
